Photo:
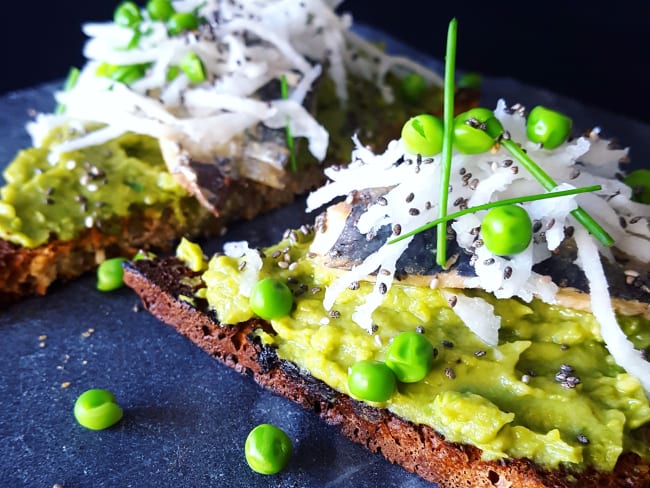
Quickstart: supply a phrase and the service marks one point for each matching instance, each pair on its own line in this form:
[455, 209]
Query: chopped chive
[284, 92]
[70, 82]
[548, 183]
[499, 203]
[135, 39]
[448, 134]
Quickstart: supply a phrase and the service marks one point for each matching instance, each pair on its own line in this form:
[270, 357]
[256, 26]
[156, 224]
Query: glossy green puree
[505, 400]
[84, 188]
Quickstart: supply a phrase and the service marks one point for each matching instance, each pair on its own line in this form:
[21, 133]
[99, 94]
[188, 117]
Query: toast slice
[164, 286]
[104, 112]
[521, 388]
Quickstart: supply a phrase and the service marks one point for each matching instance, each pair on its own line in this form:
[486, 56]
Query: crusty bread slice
[31, 271]
[161, 282]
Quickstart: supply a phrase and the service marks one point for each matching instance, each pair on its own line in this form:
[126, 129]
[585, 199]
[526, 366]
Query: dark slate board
[186, 416]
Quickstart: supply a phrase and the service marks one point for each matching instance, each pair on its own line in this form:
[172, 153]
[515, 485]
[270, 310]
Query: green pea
[128, 73]
[410, 356]
[548, 127]
[474, 130]
[639, 181]
[267, 449]
[470, 80]
[182, 21]
[127, 14]
[423, 135]
[271, 299]
[507, 230]
[413, 86]
[372, 381]
[172, 72]
[193, 67]
[110, 274]
[96, 409]
[160, 9]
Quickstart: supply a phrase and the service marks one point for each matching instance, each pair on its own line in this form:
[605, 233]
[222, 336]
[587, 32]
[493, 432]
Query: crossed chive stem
[533, 168]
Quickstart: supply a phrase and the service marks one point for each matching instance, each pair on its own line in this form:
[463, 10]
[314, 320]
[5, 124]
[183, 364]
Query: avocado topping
[549, 391]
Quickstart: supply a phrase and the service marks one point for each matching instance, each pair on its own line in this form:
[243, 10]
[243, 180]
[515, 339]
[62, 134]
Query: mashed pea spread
[82, 188]
[512, 400]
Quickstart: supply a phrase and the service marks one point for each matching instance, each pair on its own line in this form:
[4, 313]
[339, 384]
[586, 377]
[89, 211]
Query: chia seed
[480, 353]
[419, 329]
[450, 373]
[447, 344]
[582, 439]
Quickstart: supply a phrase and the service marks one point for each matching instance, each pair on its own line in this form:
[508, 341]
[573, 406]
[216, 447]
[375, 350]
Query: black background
[594, 52]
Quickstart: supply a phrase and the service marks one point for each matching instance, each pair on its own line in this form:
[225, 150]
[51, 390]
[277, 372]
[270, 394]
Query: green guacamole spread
[83, 188]
[506, 400]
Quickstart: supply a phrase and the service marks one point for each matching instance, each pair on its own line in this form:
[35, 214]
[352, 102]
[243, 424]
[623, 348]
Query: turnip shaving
[478, 315]
[619, 346]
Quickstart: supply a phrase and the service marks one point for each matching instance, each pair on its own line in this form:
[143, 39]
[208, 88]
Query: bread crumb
[65, 384]
[42, 337]
[88, 333]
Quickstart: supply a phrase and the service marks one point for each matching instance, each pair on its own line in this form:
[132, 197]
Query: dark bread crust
[417, 448]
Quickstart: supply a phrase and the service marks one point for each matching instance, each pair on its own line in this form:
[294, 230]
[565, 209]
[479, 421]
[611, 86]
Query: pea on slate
[110, 274]
[96, 409]
[268, 449]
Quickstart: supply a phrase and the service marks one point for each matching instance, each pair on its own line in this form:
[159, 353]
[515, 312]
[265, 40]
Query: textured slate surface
[186, 416]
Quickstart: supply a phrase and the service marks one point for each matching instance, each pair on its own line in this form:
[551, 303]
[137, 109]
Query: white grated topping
[243, 45]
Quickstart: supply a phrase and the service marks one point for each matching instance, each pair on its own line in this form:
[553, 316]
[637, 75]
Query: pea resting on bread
[539, 367]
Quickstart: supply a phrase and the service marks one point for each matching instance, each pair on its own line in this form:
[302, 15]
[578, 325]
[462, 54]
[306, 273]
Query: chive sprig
[447, 142]
[284, 93]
